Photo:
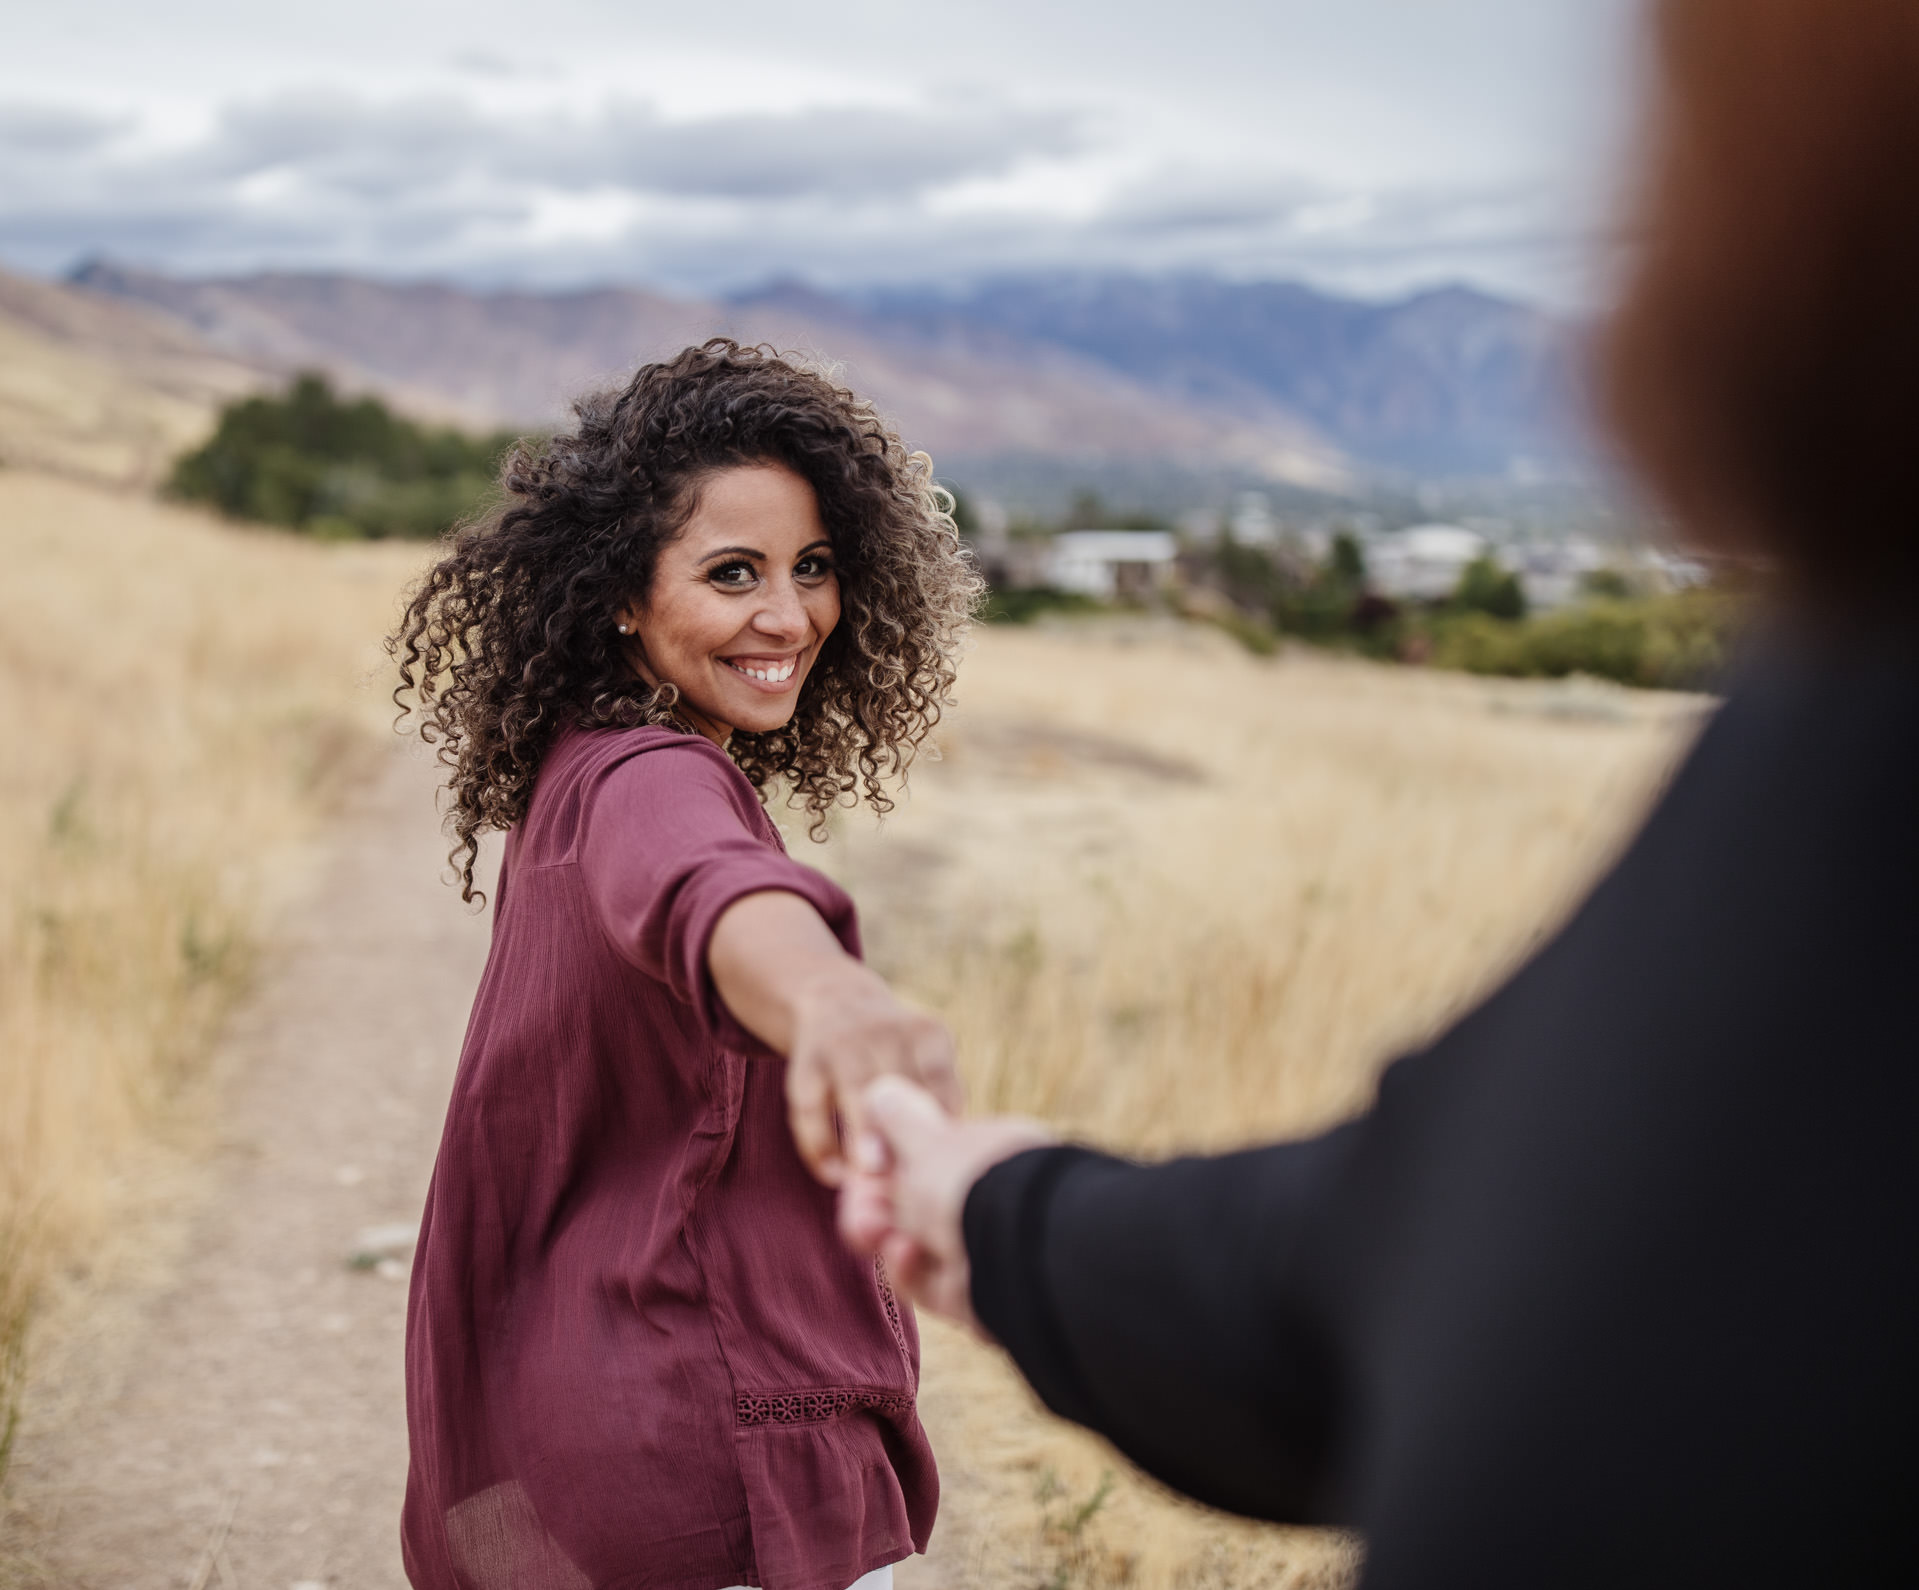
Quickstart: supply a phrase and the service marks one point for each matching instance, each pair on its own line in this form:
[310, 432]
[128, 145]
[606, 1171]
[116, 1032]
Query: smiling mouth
[766, 670]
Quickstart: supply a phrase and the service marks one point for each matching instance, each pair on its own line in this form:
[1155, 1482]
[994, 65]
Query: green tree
[1090, 511]
[1485, 587]
[1087, 513]
[1346, 562]
[1610, 584]
[1248, 576]
[1678, 642]
[310, 460]
[1325, 607]
[965, 517]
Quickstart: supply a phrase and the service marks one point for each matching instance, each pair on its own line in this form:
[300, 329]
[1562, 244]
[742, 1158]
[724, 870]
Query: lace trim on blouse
[811, 1407]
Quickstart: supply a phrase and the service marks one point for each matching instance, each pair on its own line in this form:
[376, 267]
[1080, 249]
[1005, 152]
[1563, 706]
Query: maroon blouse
[636, 1353]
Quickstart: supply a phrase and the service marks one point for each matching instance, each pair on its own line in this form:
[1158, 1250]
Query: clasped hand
[850, 1029]
[865, 1071]
[913, 1166]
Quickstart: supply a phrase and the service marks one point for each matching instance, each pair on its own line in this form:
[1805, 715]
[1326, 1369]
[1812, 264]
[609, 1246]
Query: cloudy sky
[1367, 145]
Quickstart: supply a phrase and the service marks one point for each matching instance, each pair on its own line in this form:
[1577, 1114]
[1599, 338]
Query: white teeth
[772, 676]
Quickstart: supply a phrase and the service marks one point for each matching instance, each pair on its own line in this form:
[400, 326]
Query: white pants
[878, 1579]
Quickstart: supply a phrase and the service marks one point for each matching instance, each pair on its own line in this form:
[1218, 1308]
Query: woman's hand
[786, 980]
[913, 1167]
[850, 1029]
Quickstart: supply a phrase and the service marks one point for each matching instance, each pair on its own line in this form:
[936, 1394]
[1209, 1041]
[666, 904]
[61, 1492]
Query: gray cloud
[56, 130]
[383, 150]
[843, 152]
[1369, 143]
[438, 186]
[1179, 200]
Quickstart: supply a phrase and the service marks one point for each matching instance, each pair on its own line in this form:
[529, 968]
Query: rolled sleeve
[672, 836]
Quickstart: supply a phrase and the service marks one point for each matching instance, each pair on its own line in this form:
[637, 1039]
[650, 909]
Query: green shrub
[1346, 560]
[1485, 587]
[1024, 605]
[1614, 583]
[1676, 642]
[1324, 606]
[1246, 576]
[311, 461]
[1321, 612]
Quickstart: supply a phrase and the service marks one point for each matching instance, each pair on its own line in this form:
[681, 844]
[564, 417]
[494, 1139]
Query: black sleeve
[1166, 1307]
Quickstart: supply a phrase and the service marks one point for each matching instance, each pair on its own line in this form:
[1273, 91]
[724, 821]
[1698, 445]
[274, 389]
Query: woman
[636, 1354]
[1618, 1283]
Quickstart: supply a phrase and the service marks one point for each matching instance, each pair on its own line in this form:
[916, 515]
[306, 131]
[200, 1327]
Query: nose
[781, 615]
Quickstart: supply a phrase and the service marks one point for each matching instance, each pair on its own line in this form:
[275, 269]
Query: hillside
[515, 358]
[104, 390]
[1159, 390]
[440, 352]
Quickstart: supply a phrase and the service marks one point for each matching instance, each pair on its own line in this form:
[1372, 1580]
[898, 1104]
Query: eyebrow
[759, 556]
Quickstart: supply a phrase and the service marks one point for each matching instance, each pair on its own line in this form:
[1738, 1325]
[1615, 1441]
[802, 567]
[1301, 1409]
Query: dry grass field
[1170, 895]
[182, 704]
[1174, 897]
[104, 391]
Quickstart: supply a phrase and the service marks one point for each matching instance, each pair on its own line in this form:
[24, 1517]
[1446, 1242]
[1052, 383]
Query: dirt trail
[247, 1433]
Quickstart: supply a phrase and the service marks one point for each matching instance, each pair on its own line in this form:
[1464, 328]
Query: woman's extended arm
[782, 973]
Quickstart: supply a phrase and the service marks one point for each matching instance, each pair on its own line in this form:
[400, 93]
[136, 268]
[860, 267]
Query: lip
[771, 687]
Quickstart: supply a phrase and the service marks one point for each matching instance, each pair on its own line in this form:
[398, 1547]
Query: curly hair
[510, 637]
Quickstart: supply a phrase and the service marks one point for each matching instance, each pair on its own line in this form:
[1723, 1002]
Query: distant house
[1111, 563]
[1424, 563]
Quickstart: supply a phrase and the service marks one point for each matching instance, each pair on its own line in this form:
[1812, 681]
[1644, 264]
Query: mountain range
[1448, 382]
[1021, 387]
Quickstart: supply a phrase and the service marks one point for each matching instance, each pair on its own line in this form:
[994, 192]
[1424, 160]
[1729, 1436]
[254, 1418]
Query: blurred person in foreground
[1617, 1283]
[637, 1353]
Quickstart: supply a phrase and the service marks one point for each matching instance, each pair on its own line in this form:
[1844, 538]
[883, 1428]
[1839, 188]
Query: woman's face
[741, 602]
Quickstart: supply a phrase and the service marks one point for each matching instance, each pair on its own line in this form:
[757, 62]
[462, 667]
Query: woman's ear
[626, 619]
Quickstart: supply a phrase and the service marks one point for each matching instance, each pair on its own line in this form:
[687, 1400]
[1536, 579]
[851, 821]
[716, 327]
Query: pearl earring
[622, 629]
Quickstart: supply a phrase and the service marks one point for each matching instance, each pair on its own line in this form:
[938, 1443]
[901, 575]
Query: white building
[1424, 563]
[1111, 563]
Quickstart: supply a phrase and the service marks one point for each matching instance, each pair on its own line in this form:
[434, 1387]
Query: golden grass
[1173, 897]
[182, 702]
[1170, 896]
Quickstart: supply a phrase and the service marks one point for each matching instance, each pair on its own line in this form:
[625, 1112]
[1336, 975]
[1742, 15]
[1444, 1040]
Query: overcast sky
[1367, 145]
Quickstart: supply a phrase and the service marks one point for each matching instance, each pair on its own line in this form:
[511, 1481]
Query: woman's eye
[813, 568]
[733, 574]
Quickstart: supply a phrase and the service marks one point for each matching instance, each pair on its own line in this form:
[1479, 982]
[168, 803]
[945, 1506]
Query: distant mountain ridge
[992, 404]
[486, 359]
[1448, 382]
[1021, 385]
